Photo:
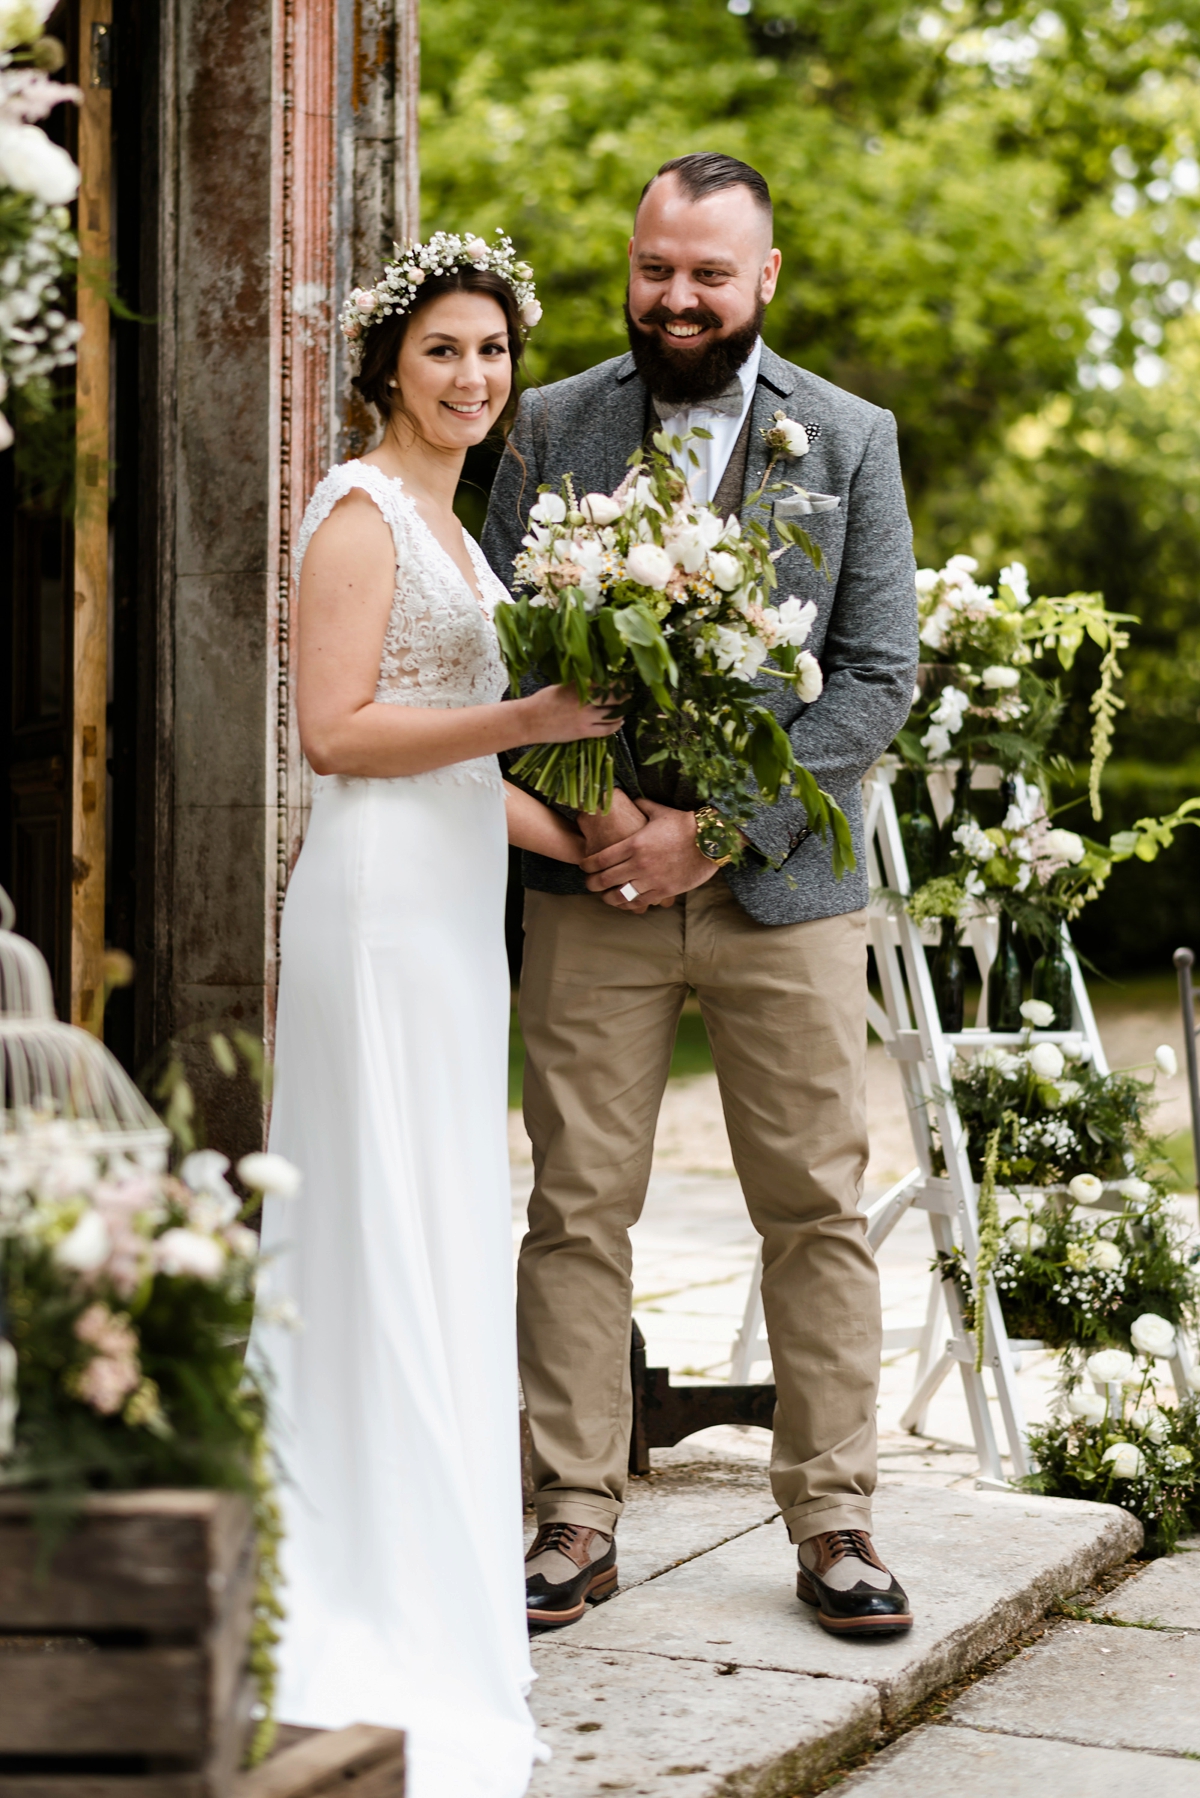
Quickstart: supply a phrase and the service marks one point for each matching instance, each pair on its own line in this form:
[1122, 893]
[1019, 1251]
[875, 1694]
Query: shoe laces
[556, 1535]
[855, 1543]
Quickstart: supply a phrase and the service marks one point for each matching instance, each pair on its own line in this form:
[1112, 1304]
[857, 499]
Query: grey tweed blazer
[865, 631]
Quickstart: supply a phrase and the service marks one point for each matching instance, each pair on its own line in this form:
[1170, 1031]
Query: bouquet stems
[578, 774]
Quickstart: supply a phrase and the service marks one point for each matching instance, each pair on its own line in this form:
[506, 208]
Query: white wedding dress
[396, 1397]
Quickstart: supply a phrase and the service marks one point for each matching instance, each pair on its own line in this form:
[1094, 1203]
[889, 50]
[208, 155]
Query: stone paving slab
[1109, 1688]
[978, 1568]
[688, 1729]
[1168, 1593]
[940, 1761]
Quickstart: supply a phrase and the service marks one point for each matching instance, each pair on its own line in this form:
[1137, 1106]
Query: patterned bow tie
[730, 403]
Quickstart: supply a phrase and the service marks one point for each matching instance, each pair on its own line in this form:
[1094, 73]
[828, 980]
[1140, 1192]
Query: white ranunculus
[795, 621]
[927, 580]
[33, 165]
[962, 565]
[272, 1174]
[1085, 1189]
[1152, 1335]
[87, 1246]
[1069, 1091]
[1091, 1406]
[807, 678]
[1065, 846]
[1150, 1419]
[649, 565]
[1164, 1060]
[599, 508]
[1046, 1061]
[1038, 1014]
[551, 508]
[725, 569]
[1137, 1190]
[186, 1252]
[1104, 1255]
[1126, 1458]
[1110, 1366]
[1000, 678]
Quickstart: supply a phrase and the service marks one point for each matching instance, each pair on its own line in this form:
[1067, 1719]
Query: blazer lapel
[623, 425]
[776, 380]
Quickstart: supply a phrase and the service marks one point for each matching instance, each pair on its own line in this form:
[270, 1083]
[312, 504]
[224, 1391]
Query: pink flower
[364, 299]
[531, 313]
[106, 1383]
[476, 249]
[107, 1331]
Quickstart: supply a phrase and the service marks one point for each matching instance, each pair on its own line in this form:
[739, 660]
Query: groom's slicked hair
[707, 172]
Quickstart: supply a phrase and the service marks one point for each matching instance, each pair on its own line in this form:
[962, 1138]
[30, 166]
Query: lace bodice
[440, 647]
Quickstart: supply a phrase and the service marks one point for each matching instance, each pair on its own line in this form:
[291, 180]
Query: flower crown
[415, 262]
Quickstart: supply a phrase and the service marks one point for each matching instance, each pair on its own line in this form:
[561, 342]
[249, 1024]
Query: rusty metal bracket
[664, 1414]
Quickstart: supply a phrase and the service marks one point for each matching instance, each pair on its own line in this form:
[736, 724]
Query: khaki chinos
[785, 1010]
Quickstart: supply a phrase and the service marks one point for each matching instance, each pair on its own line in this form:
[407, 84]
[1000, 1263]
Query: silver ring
[630, 892]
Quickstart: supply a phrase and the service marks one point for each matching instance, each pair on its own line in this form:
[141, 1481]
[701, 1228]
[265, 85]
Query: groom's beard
[689, 377]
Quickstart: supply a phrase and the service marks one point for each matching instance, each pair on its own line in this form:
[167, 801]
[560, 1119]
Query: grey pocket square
[802, 504]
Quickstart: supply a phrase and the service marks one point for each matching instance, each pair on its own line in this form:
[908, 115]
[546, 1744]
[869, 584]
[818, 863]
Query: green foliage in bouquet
[1122, 1448]
[1068, 1278]
[650, 599]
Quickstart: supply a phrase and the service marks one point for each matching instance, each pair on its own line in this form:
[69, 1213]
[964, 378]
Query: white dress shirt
[714, 453]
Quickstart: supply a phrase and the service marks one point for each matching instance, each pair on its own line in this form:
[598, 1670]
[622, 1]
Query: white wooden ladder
[909, 1026]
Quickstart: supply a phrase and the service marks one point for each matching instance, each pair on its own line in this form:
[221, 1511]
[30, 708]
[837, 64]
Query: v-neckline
[436, 540]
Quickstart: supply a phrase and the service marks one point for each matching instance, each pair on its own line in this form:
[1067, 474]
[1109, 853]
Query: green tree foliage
[990, 220]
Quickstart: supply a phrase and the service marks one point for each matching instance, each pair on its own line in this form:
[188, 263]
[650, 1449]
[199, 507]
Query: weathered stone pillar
[293, 142]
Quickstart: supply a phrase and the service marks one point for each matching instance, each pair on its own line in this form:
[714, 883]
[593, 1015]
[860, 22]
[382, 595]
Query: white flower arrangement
[414, 263]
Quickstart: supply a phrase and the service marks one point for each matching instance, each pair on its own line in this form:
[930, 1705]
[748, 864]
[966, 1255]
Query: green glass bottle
[960, 814]
[949, 978]
[1004, 982]
[1052, 984]
[919, 834]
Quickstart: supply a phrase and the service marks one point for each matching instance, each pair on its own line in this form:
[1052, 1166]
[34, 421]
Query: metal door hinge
[102, 54]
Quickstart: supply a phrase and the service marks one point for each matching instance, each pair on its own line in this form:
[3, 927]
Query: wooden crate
[123, 1671]
[359, 1762]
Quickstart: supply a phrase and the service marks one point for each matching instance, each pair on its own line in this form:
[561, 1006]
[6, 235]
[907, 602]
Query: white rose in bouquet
[1046, 1061]
[599, 508]
[1137, 1190]
[1152, 1335]
[1000, 679]
[1091, 1406]
[649, 565]
[1164, 1060]
[1126, 1460]
[725, 569]
[809, 681]
[1108, 1366]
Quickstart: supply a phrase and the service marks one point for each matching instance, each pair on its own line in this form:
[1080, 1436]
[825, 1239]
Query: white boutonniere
[786, 437]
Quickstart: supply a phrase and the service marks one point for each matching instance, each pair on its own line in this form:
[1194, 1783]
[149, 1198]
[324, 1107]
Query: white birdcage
[55, 1073]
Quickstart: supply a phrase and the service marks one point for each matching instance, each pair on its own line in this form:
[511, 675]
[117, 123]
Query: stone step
[711, 1678]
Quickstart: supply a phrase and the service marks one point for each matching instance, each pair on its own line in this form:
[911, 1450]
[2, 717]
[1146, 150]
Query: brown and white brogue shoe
[854, 1593]
[568, 1566]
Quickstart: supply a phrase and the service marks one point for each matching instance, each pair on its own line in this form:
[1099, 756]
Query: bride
[396, 1397]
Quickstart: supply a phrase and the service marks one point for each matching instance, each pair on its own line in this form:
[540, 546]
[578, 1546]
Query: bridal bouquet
[649, 597]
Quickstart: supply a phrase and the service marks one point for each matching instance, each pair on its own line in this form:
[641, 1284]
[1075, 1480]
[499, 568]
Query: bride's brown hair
[381, 349]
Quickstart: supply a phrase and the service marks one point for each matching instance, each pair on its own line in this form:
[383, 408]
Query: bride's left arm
[532, 825]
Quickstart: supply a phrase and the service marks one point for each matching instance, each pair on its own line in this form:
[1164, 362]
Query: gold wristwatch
[716, 837]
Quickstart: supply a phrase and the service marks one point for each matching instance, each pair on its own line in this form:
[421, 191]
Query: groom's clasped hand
[646, 846]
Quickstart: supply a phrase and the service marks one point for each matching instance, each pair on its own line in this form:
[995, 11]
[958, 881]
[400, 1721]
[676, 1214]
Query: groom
[774, 946]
